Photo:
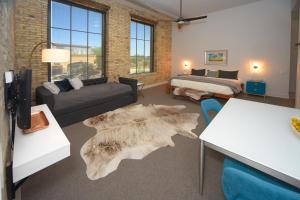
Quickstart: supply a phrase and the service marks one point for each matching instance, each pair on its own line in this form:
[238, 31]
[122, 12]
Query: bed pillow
[64, 85]
[76, 83]
[228, 74]
[198, 72]
[51, 87]
[211, 73]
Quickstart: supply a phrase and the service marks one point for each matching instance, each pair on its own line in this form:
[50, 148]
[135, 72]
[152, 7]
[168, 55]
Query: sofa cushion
[76, 83]
[94, 81]
[88, 96]
[64, 85]
[51, 87]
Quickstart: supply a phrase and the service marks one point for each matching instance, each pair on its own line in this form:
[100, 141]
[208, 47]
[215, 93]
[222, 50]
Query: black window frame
[104, 31]
[151, 46]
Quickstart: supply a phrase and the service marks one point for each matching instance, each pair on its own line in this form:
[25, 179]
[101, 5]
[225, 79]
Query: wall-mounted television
[24, 99]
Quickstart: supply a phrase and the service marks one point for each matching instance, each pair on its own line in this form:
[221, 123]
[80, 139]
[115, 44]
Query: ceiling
[191, 8]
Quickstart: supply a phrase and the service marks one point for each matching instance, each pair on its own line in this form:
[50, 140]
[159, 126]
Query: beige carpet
[133, 132]
[170, 173]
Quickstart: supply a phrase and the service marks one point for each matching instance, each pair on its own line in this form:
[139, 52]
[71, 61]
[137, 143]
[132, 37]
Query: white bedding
[207, 87]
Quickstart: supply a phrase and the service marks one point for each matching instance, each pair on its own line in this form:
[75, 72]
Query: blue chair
[241, 182]
[209, 105]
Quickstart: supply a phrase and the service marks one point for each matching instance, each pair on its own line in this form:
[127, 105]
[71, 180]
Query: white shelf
[36, 151]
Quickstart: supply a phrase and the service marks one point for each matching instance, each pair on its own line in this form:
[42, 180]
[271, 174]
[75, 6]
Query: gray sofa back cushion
[94, 81]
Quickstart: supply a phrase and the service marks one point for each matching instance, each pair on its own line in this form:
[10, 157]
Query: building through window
[81, 31]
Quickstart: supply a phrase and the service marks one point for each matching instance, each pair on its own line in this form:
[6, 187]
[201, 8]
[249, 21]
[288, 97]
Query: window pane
[133, 29]
[140, 48]
[133, 47]
[133, 64]
[95, 44]
[147, 64]
[140, 31]
[95, 67]
[79, 70]
[147, 48]
[147, 56]
[60, 15]
[79, 19]
[95, 22]
[147, 32]
[60, 38]
[79, 39]
[140, 64]
[140, 56]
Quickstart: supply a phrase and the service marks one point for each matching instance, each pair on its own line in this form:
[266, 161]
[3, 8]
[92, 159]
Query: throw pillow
[64, 85]
[211, 73]
[76, 83]
[51, 87]
[198, 72]
[228, 74]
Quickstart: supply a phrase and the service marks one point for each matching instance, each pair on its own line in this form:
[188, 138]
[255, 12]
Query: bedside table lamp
[256, 87]
[255, 69]
[186, 67]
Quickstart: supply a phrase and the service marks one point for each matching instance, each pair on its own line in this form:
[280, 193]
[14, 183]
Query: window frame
[103, 10]
[151, 46]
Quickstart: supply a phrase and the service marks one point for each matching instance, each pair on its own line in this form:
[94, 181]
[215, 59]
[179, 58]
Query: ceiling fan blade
[194, 18]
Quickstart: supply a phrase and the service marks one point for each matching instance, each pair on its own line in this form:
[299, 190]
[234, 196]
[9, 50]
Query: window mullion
[87, 41]
[70, 68]
[136, 49]
[144, 48]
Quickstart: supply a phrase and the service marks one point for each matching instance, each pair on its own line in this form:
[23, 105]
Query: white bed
[203, 86]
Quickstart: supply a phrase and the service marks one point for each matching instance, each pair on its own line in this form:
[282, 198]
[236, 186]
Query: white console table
[36, 151]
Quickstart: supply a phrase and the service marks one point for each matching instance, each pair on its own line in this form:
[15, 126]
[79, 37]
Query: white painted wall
[297, 100]
[256, 32]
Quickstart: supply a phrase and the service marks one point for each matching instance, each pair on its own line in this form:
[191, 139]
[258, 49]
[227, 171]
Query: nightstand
[256, 88]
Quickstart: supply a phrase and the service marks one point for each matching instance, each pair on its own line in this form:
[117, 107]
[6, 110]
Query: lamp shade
[55, 55]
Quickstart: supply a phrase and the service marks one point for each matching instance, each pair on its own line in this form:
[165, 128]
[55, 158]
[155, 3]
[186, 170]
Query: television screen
[24, 99]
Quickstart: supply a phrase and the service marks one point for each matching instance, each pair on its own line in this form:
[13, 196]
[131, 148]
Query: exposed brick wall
[32, 14]
[6, 63]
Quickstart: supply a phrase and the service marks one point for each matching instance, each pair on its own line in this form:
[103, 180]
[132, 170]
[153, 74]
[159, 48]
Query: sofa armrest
[133, 85]
[44, 96]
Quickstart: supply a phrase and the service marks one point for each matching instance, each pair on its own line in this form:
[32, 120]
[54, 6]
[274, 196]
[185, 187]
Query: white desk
[258, 135]
[36, 151]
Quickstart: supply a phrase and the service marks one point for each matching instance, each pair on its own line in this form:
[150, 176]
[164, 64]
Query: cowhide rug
[132, 133]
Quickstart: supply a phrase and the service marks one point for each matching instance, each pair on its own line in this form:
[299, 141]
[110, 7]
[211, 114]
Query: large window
[79, 30]
[141, 48]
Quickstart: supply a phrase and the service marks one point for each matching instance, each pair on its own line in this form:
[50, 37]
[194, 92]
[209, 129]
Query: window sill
[142, 74]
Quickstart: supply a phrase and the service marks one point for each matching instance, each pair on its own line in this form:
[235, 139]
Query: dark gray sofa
[96, 97]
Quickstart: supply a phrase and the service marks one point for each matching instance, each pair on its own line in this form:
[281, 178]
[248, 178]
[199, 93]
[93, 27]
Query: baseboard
[155, 85]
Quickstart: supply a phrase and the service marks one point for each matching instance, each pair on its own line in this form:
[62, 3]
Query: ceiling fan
[182, 21]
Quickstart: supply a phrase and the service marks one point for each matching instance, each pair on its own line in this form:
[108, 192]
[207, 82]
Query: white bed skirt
[207, 87]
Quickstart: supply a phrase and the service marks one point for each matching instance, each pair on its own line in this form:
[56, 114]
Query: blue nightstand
[256, 88]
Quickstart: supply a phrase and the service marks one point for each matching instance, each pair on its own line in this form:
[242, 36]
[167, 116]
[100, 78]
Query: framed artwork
[216, 57]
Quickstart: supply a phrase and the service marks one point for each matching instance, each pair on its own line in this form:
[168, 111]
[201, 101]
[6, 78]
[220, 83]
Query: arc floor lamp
[51, 55]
